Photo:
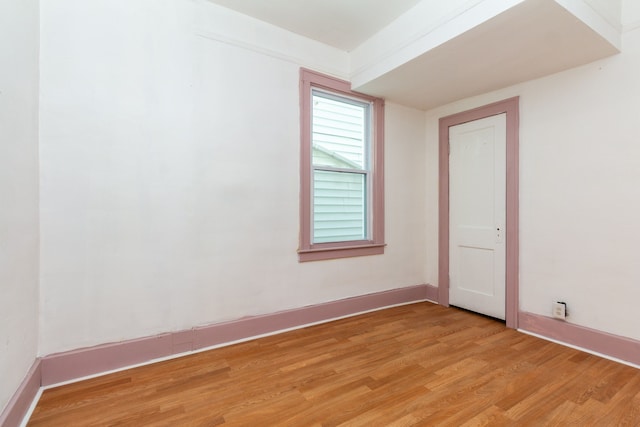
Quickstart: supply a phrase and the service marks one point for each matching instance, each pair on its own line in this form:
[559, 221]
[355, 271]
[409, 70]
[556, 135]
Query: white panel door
[477, 197]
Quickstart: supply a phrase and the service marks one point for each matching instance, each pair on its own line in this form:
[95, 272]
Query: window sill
[319, 254]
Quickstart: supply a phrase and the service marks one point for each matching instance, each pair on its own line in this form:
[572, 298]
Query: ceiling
[343, 24]
[532, 39]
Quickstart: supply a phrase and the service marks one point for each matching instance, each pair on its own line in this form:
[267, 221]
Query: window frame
[374, 245]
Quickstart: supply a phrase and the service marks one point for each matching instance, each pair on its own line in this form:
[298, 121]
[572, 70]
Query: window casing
[342, 166]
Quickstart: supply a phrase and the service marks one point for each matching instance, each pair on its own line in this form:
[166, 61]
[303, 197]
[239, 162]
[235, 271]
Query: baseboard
[71, 365]
[19, 404]
[615, 346]
[432, 293]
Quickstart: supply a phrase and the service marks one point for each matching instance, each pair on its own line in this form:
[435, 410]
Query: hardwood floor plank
[414, 365]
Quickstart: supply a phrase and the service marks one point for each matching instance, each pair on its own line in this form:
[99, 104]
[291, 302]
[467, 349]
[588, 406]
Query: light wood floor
[420, 364]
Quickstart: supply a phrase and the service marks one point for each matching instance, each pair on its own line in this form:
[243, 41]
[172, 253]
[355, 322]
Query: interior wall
[170, 174]
[18, 192]
[579, 193]
[630, 14]
[611, 10]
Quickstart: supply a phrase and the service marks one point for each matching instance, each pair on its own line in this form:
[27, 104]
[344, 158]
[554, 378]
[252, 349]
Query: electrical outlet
[559, 310]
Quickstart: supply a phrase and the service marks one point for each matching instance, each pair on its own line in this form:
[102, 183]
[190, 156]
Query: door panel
[477, 181]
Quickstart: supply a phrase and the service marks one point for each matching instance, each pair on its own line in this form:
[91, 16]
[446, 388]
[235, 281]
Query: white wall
[18, 192]
[170, 174]
[611, 10]
[170, 177]
[630, 14]
[579, 192]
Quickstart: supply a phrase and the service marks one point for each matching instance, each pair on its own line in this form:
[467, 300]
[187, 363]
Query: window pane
[338, 131]
[338, 206]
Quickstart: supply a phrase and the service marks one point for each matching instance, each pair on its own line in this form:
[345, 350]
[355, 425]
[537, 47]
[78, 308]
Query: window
[342, 165]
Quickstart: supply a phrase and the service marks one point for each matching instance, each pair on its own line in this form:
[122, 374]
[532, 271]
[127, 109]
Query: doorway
[478, 251]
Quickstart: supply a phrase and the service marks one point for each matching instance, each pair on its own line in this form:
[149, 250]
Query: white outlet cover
[559, 310]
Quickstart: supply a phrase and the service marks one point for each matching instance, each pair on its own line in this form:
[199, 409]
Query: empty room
[319, 212]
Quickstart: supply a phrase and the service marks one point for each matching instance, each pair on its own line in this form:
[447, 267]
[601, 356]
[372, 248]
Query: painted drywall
[421, 19]
[170, 174]
[18, 192]
[226, 26]
[602, 16]
[422, 28]
[611, 10]
[579, 198]
[630, 14]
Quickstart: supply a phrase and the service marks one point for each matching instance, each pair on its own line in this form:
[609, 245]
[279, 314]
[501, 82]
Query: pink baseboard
[19, 404]
[432, 293]
[89, 361]
[590, 339]
[79, 363]
[95, 360]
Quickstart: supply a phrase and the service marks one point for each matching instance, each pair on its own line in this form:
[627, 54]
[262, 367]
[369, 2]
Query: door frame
[511, 108]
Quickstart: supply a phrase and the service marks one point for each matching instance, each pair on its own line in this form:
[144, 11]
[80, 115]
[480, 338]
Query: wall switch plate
[559, 310]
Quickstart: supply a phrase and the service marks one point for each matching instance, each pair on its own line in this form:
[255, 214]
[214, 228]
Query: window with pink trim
[342, 170]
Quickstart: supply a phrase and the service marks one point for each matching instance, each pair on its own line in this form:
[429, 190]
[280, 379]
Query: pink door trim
[510, 107]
